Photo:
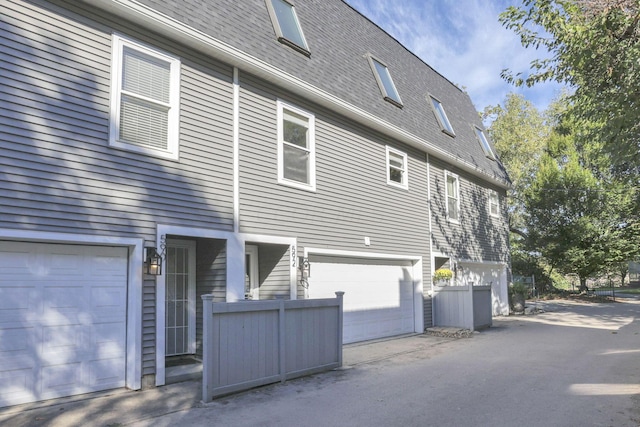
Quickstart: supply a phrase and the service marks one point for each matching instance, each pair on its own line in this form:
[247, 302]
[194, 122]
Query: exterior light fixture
[153, 262]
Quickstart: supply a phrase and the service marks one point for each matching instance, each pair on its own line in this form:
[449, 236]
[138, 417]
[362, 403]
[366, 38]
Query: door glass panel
[247, 276]
[177, 301]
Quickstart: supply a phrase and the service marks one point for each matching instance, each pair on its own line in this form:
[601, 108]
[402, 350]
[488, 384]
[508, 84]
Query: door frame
[190, 245]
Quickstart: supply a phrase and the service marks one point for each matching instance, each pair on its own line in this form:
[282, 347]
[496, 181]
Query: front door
[180, 308]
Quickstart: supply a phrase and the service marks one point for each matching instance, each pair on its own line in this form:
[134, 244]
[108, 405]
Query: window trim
[441, 114]
[386, 96]
[405, 171]
[484, 143]
[173, 120]
[278, 29]
[494, 200]
[448, 174]
[281, 106]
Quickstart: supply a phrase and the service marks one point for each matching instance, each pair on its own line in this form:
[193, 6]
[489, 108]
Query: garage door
[62, 320]
[379, 295]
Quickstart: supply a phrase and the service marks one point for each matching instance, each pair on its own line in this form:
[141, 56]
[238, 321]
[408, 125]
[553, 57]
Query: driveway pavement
[575, 364]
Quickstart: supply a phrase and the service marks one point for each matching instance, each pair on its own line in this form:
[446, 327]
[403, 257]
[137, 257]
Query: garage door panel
[15, 303]
[65, 339]
[379, 295]
[108, 301]
[64, 300]
[61, 379]
[61, 320]
[15, 342]
[17, 385]
[107, 340]
[105, 373]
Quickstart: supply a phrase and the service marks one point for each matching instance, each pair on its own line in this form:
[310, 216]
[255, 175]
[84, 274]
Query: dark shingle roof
[339, 40]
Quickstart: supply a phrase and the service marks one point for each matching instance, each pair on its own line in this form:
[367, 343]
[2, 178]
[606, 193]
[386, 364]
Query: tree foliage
[594, 48]
[519, 133]
[579, 215]
[571, 214]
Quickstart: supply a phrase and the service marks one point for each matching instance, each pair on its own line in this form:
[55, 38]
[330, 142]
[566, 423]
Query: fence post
[207, 347]
[282, 340]
[339, 297]
[472, 321]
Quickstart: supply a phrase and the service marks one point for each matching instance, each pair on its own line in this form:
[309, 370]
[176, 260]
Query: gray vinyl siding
[478, 236]
[58, 172]
[274, 271]
[352, 198]
[211, 278]
[428, 311]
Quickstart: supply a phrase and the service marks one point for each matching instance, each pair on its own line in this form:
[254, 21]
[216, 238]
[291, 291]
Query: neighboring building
[242, 140]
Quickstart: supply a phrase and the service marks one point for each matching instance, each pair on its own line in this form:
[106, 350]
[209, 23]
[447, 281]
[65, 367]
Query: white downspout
[431, 259]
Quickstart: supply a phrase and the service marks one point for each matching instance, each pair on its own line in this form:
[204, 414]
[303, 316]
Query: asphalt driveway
[576, 364]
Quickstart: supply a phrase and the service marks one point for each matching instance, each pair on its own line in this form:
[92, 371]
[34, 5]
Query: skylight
[485, 144]
[385, 83]
[286, 24]
[441, 116]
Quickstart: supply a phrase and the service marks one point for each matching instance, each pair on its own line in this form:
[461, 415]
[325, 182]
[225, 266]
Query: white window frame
[119, 43]
[393, 98]
[311, 186]
[484, 143]
[405, 168]
[304, 48]
[494, 201]
[441, 116]
[447, 175]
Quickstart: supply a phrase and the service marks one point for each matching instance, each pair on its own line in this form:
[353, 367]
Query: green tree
[594, 48]
[519, 134]
[577, 212]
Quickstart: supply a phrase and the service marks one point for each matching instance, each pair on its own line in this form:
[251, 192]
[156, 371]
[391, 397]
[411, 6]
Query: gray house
[262, 149]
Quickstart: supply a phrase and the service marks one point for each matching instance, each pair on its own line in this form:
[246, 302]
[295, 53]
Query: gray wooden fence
[466, 306]
[247, 344]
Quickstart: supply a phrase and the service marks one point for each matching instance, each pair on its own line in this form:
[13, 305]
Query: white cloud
[463, 41]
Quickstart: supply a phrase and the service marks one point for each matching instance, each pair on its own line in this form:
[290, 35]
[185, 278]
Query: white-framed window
[452, 195]
[484, 143]
[494, 203]
[296, 147]
[286, 25]
[145, 99]
[397, 168]
[385, 82]
[441, 116]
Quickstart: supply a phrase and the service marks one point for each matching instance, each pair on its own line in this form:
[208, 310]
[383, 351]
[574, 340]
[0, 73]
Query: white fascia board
[156, 21]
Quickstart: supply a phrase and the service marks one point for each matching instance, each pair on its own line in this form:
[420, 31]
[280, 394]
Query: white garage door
[62, 320]
[379, 295]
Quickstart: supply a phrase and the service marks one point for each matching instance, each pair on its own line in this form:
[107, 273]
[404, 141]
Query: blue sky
[463, 41]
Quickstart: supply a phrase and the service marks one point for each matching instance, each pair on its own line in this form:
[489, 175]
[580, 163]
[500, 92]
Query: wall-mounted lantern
[153, 262]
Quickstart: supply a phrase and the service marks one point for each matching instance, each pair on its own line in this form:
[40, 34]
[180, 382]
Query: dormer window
[441, 116]
[485, 144]
[385, 83]
[286, 25]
